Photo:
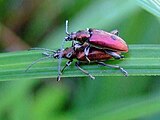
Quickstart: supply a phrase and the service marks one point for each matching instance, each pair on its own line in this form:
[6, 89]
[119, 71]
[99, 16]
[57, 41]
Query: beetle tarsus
[58, 77]
[115, 32]
[84, 71]
[122, 56]
[125, 73]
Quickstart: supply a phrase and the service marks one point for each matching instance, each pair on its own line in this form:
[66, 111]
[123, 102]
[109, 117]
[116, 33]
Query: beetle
[109, 42]
[95, 55]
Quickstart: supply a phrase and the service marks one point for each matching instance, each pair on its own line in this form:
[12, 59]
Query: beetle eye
[55, 55]
[113, 37]
[90, 29]
[68, 38]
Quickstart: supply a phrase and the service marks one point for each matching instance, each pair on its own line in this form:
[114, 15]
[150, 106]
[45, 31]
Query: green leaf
[129, 109]
[142, 60]
[152, 6]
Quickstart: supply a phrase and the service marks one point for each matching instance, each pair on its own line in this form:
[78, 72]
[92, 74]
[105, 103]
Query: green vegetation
[25, 95]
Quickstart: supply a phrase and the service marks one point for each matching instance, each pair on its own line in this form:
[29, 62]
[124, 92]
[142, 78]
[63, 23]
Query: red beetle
[110, 42]
[95, 55]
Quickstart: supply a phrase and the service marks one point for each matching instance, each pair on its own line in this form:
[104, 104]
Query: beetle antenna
[45, 49]
[67, 27]
[38, 60]
[61, 51]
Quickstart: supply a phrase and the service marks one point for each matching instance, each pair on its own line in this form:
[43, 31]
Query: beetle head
[58, 53]
[64, 53]
[81, 35]
[71, 36]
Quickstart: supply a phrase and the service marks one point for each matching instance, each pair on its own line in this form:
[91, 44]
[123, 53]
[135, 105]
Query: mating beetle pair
[93, 46]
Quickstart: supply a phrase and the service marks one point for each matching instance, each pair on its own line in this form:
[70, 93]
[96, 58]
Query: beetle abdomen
[94, 55]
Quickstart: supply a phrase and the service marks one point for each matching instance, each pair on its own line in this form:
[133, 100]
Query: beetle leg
[68, 63]
[77, 64]
[76, 46]
[113, 54]
[115, 32]
[86, 52]
[115, 66]
[73, 43]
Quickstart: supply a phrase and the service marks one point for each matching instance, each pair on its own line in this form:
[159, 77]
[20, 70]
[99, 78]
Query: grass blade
[142, 60]
[152, 6]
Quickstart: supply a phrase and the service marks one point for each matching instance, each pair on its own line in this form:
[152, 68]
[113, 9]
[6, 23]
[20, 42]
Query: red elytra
[107, 40]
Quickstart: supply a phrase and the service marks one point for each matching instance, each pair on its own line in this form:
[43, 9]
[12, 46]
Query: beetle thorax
[81, 36]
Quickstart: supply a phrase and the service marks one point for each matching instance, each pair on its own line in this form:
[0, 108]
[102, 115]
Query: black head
[70, 36]
[58, 54]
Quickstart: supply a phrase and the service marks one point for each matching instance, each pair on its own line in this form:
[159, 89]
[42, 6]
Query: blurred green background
[28, 23]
